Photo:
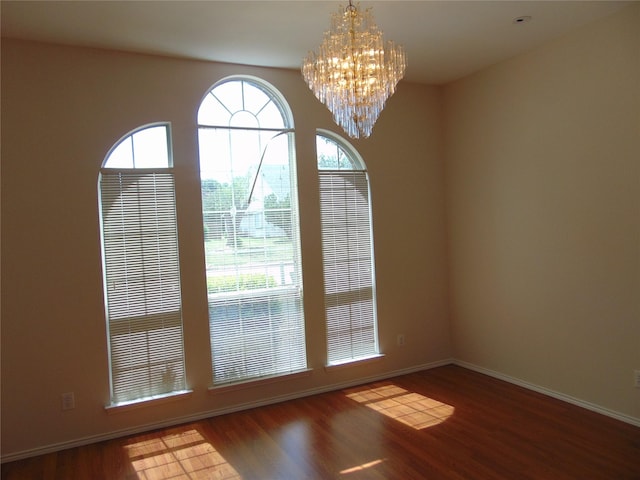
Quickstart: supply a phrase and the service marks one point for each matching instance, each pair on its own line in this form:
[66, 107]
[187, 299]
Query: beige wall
[543, 204]
[62, 109]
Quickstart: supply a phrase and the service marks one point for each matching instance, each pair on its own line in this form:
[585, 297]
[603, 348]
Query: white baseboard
[550, 393]
[215, 412]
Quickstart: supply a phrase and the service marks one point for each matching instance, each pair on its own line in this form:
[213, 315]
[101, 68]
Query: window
[249, 203]
[347, 251]
[140, 265]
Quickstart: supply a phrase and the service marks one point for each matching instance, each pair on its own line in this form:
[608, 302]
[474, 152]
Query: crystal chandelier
[353, 73]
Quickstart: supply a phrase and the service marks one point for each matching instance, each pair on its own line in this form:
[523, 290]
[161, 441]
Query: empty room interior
[502, 211]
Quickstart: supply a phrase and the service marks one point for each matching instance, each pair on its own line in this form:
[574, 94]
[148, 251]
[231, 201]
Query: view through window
[249, 202]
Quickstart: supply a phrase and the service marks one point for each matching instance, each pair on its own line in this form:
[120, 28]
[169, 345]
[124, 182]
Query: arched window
[347, 251]
[249, 202]
[141, 267]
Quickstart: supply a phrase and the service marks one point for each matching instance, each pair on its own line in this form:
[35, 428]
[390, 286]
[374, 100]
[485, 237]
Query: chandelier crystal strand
[353, 73]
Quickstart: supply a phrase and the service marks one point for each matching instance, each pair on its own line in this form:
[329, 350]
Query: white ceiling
[444, 40]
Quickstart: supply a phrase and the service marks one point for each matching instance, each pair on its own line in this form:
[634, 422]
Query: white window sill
[147, 401]
[228, 387]
[354, 362]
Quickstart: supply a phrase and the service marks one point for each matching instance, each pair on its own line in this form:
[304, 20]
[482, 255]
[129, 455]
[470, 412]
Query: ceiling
[444, 40]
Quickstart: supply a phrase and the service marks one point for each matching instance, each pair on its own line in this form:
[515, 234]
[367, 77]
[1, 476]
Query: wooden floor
[445, 423]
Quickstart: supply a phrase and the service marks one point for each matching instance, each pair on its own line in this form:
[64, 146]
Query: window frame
[156, 316]
[331, 249]
[269, 293]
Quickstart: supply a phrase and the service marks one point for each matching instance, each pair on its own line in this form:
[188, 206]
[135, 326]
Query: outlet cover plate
[68, 401]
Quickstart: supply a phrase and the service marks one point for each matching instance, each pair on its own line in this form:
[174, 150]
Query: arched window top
[148, 146]
[244, 102]
[334, 153]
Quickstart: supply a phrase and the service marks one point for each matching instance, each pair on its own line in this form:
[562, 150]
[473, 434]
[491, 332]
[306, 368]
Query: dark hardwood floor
[444, 423]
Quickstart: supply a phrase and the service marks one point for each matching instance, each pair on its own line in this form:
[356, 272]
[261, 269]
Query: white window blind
[347, 250]
[256, 334]
[142, 284]
[252, 254]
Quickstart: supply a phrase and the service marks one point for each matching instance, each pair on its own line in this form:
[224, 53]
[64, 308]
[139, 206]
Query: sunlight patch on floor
[410, 408]
[362, 467]
[183, 455]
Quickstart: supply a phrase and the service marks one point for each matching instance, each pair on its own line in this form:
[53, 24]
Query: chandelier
[353, 73]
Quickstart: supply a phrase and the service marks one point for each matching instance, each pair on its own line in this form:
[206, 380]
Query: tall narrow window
[249, 201]
[141, 269]
[347, 250]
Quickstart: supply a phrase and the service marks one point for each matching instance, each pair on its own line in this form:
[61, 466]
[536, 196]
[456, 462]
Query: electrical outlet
[68, 401]
[400, 339]
[636, 377]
